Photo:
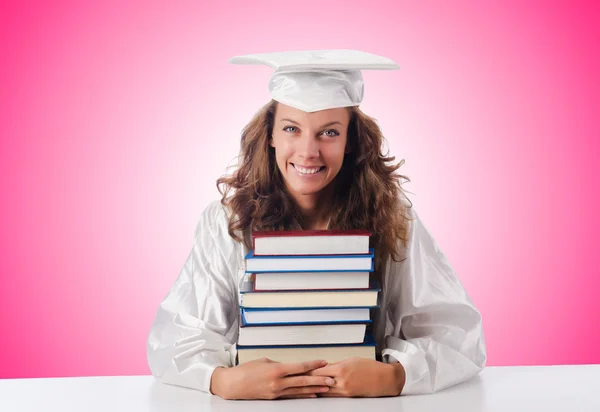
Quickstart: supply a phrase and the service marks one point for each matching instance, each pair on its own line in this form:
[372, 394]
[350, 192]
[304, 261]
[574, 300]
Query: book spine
[245, 323]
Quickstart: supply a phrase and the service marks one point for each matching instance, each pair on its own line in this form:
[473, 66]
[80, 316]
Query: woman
[310, 159]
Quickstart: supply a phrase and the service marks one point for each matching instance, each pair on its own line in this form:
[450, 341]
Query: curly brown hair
[367, 196]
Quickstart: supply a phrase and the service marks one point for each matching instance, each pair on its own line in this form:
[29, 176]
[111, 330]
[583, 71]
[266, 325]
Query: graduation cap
[312, 80]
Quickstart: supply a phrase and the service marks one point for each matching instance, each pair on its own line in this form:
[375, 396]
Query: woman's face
[309, 148]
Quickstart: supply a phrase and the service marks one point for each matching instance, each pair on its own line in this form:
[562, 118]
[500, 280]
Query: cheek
[281, 157]
[284, 151]
[335, 157]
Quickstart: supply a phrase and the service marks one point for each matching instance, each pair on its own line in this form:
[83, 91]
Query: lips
[308, 170]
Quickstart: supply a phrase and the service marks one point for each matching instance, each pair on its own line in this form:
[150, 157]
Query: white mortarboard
[312, 80]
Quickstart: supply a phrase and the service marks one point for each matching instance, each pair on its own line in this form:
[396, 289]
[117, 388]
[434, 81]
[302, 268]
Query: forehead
[313, 118]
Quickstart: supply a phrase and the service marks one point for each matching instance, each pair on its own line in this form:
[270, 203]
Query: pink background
[117, 119]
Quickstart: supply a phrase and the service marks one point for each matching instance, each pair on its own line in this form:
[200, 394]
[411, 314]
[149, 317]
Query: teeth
[305, 171]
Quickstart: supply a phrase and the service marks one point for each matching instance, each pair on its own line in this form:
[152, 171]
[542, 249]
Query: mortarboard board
[312, 80]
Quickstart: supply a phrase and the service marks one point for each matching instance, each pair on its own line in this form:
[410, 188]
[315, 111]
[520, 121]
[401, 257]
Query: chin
[305, 191]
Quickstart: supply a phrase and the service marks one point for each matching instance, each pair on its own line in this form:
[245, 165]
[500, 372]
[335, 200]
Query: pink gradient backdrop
[117, 119]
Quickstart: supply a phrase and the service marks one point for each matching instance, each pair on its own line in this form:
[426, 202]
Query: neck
[315, 209]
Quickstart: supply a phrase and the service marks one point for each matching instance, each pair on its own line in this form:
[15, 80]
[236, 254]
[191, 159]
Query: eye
[286, 129]
[331, 133]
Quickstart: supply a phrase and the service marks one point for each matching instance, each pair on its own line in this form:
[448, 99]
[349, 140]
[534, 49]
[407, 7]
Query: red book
[311, 242]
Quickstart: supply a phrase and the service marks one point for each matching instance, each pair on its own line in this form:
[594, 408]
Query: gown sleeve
[433, 328]
[196, 325]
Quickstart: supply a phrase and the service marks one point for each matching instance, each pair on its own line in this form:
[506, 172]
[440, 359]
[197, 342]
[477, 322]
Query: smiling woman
[278, 187]
[309, 156]
[311, 159]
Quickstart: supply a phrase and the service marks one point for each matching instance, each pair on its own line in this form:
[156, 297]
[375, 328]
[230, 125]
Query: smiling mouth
[308, 170]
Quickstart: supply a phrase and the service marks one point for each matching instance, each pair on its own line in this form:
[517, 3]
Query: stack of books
[308, 295]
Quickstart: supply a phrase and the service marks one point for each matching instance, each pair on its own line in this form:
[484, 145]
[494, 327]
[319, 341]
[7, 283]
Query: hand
[266, 379]
[360, 377]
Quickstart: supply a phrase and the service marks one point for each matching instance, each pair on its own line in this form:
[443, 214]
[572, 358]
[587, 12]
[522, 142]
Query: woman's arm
[192, 340]
[195, 328]
[436, 331]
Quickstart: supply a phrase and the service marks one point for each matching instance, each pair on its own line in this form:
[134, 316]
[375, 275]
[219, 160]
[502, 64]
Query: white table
[532, 388]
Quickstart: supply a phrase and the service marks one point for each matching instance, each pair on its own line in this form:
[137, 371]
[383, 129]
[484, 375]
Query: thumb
[265, 360]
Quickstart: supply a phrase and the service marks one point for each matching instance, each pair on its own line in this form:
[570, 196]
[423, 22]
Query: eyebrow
[325, 125]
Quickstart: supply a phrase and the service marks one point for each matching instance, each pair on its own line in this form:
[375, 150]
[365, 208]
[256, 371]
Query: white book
[287, 263]
[293, 354]
[311, 280]
[311, 242]
[249, 298]
[301, 334]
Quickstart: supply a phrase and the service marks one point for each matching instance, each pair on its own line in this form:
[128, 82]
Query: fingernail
[324, 389]
[329, 381]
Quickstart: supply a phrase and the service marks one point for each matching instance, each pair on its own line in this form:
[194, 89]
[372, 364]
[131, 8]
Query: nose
[308, 147]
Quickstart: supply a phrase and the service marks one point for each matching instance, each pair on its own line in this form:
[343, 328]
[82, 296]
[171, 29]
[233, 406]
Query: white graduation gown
[428, 322]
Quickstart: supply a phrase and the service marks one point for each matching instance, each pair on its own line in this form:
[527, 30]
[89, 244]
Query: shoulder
[406, 209]
[405, 204]
[217, 251]
[406, 222]
[214, 220]
[418, 234]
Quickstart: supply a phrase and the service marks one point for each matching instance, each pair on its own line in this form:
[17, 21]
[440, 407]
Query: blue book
[305, 334]
[302, 316]
[310, 263]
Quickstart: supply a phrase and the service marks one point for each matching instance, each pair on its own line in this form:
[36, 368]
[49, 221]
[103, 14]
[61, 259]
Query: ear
[348, 149]
[271, 142]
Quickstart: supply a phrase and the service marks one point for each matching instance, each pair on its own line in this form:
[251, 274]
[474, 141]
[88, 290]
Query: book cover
[310, 242]
[368, 341]
[302, 334]
[248, 287]
[283, 233]
[303, 316]
[309, 263]
[311, 280]
[332, 353]
[318, 298]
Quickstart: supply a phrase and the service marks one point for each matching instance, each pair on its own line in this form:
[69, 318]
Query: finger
[329, 370]
[304, 380]
[303, 367]
[304, 390]
[299, 396]
[333, 395]
[337, 391]
[263, 360]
